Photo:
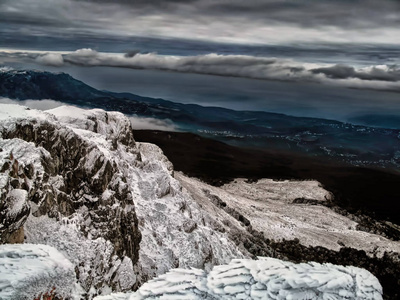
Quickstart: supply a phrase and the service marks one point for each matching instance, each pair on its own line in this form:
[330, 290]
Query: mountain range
[357, 145]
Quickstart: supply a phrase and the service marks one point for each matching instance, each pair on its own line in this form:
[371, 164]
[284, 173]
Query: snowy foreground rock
[267, 278]
[28, 271]
[76, 180]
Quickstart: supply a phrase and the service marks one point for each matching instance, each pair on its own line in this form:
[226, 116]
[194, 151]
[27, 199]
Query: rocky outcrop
[77, 180]
[68, 178]
[294, 221]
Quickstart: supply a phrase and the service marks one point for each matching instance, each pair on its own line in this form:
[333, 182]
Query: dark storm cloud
[359, 13]
[257, 21]
[135, 3]
[314, 13]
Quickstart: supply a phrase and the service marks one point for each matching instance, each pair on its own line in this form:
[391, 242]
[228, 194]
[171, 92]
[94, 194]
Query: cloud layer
[380, 77]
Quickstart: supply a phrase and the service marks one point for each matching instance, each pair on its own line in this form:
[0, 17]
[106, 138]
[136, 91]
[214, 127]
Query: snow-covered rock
[28, 271]
[77, 180]
[266, 278]
[108, 203]
[272, 207]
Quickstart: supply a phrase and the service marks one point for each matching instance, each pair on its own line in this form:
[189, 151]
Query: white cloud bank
[50, 59]
[44, 104]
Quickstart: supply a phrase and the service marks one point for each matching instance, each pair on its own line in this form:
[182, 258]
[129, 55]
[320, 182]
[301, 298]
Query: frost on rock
[108, 203]
[266, 278]
[176, 232]
[18, 160]
[28, 271]
[76, 191]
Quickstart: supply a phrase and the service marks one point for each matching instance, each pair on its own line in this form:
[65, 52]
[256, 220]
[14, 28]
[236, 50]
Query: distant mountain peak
[35, 84]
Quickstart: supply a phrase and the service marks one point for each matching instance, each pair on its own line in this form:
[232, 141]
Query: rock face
[68, 177]
[77, 180]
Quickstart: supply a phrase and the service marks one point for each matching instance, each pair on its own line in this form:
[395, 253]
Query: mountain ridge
[329, 139]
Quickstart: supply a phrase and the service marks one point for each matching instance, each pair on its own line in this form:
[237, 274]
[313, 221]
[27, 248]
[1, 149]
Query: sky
[230, 21]
[302, 57]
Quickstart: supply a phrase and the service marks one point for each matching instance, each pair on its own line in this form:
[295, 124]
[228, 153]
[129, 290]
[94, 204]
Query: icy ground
[29, 270]
[266, 278]
[270, 207]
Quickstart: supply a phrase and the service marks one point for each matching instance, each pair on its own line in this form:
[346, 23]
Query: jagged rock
[70, 178]
[14, 207]
[88, 183]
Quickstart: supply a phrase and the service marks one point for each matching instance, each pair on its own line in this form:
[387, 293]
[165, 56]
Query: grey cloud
[302, 13]
[223, 65]
[232, 65]
[136, 3]
[390, 73]
[36, 13]
[50, 59]
[139, 123]
[131, 53]
[312, 13]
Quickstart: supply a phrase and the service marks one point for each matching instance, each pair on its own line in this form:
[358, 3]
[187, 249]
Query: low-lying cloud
[139, 123]
[380, 77]
[44, 104]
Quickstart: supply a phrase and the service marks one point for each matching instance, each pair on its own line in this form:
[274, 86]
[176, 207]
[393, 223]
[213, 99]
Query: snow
[17, 201]
[157, 195]
[29, 270]
[269, 206]
[26, 153]
[91, 255]
[265, 278]
[175, 231]
[111, 125]
[115, 296]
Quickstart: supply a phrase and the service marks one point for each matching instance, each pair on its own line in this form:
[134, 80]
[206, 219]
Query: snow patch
[29, 270]
[270, 207]
[17, 201]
